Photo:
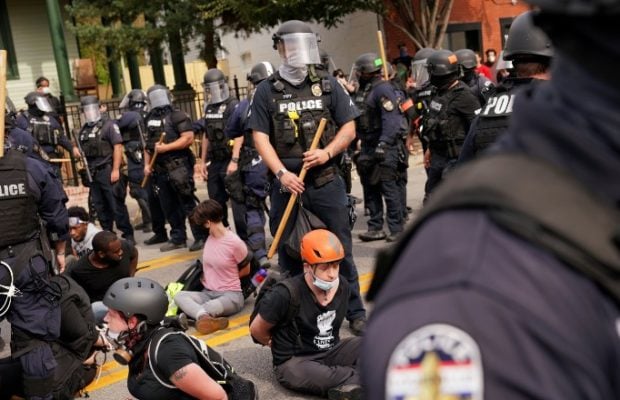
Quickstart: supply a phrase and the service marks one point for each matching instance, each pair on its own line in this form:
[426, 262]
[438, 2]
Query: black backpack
[274, 279]
[536, 201]
[212, 362]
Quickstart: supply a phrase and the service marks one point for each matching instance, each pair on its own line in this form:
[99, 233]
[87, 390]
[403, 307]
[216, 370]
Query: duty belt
[12, 250]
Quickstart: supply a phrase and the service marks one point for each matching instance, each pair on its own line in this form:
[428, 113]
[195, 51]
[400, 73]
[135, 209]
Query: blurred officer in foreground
[35, 223]
[169, 137]
[527, 306]
[529, 48]
[100, 140]
[284, 115]
[133, 131]
[380, 128]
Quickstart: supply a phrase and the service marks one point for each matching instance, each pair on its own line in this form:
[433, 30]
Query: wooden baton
[152, 161]
[386, 75]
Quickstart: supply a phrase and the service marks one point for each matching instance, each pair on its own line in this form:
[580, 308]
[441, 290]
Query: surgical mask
[491, 58]
[112, 334]
[46, 90]
[324, 285]
[293, 75]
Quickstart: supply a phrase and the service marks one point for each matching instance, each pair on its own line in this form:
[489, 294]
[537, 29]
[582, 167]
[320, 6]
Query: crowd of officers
[257, 147]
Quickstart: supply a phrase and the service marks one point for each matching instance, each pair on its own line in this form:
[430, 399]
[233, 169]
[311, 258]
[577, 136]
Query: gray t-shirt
[86, 245]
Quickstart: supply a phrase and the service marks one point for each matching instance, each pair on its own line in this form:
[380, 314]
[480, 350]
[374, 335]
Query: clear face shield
[159, 98]
[91, 113]
[419, 72]
[299, 49]
[124, 103]
[216, 92]
[42, 104]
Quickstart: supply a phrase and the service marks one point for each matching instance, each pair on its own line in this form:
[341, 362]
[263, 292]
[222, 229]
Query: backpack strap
[535, 201]
[213, 363]
[295, 304]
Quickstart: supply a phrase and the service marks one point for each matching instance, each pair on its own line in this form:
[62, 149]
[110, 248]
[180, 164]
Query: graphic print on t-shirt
[325, 338]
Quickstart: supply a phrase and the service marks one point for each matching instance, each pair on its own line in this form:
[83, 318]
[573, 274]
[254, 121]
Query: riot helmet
[9, 112]
[297, 44]
[367, 64]
[36, 100]
[7, 287]
[159, 96]
[215, 86]
[260, 72]
[90, 108]
[419, 71]
[324, 59]
[138, 296]
[578, 7]
[467, 58]
[135, 98]
[526, 40]
[442, 63]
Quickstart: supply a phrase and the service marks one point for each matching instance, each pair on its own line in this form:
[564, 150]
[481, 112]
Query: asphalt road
[250, 360]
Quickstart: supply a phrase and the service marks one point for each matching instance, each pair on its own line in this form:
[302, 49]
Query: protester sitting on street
[111, 259]
[225, 258]
[308, 354]
[82, 233]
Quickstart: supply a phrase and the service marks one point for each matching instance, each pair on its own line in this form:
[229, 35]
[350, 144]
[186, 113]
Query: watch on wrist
[281, 172]
[235, 159]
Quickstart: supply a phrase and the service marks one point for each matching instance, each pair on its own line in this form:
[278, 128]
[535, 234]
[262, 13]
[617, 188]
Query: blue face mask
[324, 285]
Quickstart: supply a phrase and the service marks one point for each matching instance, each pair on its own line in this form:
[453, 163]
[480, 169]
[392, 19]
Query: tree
[423, 21]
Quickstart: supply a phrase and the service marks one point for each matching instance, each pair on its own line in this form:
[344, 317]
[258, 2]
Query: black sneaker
[156, 239]
[197, 245]
[358, 326]
[372, 235]
[345, 392]
[393, 237]
[172, 246]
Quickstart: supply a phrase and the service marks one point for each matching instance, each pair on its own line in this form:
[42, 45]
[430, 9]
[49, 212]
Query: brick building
[475, 24]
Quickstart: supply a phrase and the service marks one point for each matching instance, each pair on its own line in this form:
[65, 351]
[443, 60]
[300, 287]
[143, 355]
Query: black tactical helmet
[158, 96]
[324, 58]
[467, 58]
[368, 63]
[423, 53]
[442, 63]
[87, 100]
[142, 296]
[36, 100]
[9, 108]
[136, 96]
[213, 75]
[526, 39]
[260, 72]
[292, 26]
[578, 7]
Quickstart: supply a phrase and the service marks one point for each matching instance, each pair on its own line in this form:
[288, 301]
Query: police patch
[387, 105]
[316, 90]
[437, 361]
[222, 109]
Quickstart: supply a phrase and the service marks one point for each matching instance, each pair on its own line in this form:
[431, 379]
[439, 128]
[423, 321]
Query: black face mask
[468, 75]
[442, 82]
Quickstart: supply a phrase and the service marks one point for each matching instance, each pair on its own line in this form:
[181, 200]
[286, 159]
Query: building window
[463, 36]
[6, 42]
[504, 24]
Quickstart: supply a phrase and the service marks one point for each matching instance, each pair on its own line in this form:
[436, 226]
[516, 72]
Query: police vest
[296, 113]
[248, 152]
[495, 114]
[216, 117]
[369, 121]
[133, 131]
[156, 124]
[18, 207]
[41, 129]
[445, 125]
[92, 143]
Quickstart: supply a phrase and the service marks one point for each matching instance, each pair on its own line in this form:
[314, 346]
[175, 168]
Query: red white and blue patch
[435, 362]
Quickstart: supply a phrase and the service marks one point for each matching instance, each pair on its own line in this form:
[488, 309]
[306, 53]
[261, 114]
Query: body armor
[369, 122]
[155, 125]
[41, 129]
[92, 142]
[18, 208]
[445, 128]
[216, 118]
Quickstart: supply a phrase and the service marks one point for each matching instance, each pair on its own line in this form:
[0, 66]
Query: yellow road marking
[112, 372]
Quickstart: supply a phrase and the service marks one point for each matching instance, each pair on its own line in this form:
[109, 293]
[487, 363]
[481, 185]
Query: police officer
[45, 128]
[284, 116]
[502, 308]
[170, 135]
[450, 114]
[131, 125]
[30, 198]
[480, 85]
[531, 51]
[215, 149]
[252, 182]
[101, 142]
[422, 94]
[380, 127]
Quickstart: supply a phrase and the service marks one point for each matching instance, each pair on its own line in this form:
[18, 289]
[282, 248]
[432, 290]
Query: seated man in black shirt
[110, 260]
[308, 354]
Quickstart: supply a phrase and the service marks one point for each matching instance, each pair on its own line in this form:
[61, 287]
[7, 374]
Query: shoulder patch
[436, 361]
[387, 104]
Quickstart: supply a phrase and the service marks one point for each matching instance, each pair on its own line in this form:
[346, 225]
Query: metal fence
[192, 103]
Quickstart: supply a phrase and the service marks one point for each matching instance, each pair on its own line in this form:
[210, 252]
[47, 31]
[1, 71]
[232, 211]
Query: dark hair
[80, 212]
[530, 66]
[40, 80]
[102, 240]
[490, 50]
[209, 210]
[338, 72]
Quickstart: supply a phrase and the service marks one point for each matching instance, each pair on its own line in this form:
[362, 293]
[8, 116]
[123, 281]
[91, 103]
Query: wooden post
[293, 198]
[3, 60]
[386, 75]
